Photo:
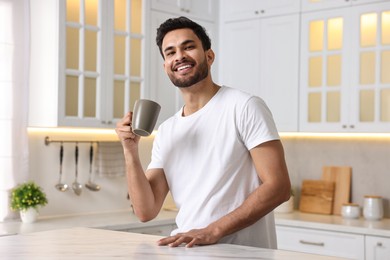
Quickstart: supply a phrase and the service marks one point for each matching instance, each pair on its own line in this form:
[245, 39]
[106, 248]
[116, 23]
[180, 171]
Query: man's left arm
[271, 168]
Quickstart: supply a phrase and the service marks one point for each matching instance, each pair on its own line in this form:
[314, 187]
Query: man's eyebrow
[181, 44]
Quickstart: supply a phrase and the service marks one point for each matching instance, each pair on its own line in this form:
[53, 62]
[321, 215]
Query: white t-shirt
[206, 160]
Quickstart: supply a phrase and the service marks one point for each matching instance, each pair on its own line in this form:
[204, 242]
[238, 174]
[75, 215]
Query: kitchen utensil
[373, 207]
[61, 186]
[341, 176]
[350, 210]
[317, 196]
[90, 185]
[77, 187]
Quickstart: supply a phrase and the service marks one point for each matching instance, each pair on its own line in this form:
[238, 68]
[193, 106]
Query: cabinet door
[325, 65]
[377, 248]
[161, 88]
[370, 77]
[312, 5]
[313, 241]
[279, 69]
[265, 54]
[197, 9]
[240, 56]
[233, 10]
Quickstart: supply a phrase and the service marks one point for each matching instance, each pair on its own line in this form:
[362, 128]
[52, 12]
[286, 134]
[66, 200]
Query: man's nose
[180, 55]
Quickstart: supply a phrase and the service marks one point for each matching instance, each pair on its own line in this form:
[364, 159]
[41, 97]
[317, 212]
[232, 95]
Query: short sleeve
[255, 123]
[156, 160]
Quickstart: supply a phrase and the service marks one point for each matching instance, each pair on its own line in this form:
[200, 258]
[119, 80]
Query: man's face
[185, 61]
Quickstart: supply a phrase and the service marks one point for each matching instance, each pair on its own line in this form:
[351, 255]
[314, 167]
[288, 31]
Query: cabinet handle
[256, 12]
[379, 244]
[311, 243]
[344, 126]
[352, 126]
[185, 10]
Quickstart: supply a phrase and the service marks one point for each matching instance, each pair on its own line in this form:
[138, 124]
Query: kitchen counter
[334, 223]
[111, 220]
[87, 243]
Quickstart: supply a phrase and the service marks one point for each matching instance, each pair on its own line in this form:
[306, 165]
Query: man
[220, 156]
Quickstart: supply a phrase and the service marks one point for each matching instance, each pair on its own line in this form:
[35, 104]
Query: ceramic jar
[350, 210]
[373, 207]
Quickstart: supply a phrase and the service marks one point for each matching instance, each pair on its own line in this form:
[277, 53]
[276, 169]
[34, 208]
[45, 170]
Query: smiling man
[220, 156]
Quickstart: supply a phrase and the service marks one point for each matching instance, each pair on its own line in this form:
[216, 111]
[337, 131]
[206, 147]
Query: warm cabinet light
[361, 136]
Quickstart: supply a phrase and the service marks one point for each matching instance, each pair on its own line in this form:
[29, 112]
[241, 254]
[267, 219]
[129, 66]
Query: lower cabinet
[160, 230]
[377, 248]
[346, 245]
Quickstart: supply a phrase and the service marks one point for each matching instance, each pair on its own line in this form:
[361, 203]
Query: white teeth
[183, 67]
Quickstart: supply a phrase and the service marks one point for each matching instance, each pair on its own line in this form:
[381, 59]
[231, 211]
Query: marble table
[89, 243]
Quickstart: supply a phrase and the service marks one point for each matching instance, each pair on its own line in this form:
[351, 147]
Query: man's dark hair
[181, 23]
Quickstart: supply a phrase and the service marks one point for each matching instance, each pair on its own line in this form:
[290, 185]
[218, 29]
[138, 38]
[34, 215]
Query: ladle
[90, 185]
[61, 186]
[77, 187]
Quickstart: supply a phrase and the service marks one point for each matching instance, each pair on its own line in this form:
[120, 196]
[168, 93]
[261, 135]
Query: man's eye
[190, 47]
[169, 53]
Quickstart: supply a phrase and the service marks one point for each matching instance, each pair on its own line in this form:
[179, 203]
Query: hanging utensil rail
[48, 141]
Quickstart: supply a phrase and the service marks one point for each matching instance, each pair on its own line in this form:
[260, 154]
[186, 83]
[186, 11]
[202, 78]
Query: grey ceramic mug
[145, 114]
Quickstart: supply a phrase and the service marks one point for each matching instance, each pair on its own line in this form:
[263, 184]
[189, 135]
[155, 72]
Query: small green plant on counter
[27, 195]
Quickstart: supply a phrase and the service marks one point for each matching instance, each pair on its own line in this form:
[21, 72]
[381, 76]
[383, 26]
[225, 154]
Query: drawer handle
[311, 243]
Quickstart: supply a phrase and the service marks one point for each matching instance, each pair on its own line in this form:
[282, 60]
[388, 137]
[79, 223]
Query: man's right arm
[147, 191]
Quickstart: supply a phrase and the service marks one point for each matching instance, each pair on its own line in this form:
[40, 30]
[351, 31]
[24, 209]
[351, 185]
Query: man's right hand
[125, 133]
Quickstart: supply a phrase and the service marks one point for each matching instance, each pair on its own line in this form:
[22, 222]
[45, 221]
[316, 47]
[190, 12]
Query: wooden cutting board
[341, 176]
[317, 196]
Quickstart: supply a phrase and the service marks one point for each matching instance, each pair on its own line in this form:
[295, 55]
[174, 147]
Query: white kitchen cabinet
[87, 61]
[195, 9]
[313, 5]
[159, 230]
[161, 88]
[377, 248]
[345, 59]
[233, 10]
[261, 57]
[338, 244]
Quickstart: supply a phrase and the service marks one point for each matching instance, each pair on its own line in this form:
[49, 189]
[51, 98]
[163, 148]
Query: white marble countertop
[110, 220]
[87, 243]
[334, 223]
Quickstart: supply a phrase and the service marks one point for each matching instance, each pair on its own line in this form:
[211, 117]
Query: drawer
[320, 242]
[377, 248]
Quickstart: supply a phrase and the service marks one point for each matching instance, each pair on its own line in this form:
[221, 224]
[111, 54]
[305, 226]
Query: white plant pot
[286, 207]
[29, 215]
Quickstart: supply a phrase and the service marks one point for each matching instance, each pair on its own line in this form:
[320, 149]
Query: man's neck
[197, 96]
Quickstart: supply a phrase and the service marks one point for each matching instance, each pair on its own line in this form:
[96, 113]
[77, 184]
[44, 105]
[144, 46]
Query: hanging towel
[109, 160]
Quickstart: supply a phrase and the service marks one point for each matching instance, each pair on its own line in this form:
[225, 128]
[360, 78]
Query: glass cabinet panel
[72, 48]
[385, 67]
[386, 28]
[120, 15]
[90, 48]
[90, 97]
[334, 70]
[119, 101]
[119, 54]
[316, 36]
[136, 16]
[91, 12]
[368, 29]
[333, 107]
[135, 57]
[335, 33]
[72, 95]
[315, 71]
[314, 107]
[73, 11]
[385, 105]
[367, 105]
[367, 68]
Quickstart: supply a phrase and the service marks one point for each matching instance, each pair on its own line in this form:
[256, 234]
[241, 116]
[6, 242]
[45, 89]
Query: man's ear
[210, 55]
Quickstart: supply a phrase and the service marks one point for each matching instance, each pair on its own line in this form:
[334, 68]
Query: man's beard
[200, 74]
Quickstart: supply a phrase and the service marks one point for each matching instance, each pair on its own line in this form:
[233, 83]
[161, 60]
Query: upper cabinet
[197, 9]
[345, 64]
[87, 61]
[261, 56]
[233, 10]
[313, 5]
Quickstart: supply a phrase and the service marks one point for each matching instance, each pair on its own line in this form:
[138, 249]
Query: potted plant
[26, 198]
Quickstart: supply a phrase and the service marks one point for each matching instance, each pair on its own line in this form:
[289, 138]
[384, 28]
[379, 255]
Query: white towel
[109, 160]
